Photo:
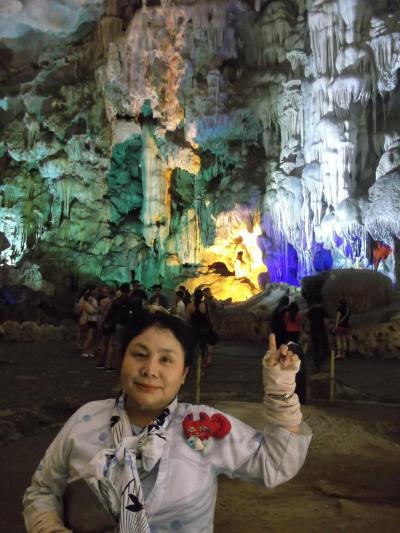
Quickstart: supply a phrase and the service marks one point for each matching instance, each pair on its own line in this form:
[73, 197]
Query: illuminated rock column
[155, 213]
[342, 88]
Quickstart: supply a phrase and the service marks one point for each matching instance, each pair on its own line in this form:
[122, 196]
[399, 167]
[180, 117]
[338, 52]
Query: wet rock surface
[170, 129]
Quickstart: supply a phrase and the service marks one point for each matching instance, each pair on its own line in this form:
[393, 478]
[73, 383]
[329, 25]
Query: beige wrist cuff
[277, 381]
[285, 413]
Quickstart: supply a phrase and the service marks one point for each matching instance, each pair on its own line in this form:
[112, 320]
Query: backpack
[120, 312]
[123, 311]
[108, 321]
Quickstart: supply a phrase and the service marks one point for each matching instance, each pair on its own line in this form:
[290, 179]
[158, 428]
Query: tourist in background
[90, 313]
[199, 318]
[180, 308]
[212, 305]
[119, 314]
[158, 298]
[106, 329]
[186, 295]
[138, 297]
[319, 344]
[342, 328]
[277, 323]
[81, 318]
[292, 319]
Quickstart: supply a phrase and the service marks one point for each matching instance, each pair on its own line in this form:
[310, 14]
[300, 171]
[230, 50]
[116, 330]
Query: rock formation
[156, 138]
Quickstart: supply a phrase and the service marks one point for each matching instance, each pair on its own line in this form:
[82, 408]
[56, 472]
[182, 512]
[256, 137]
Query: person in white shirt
[180, 307]
[145, 462]
[91, 311]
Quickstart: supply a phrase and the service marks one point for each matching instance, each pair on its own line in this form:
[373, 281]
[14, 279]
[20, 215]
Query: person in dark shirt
[157, 298]
[318, 337]
[116, 318]
[200, 320]
[120, 309]
[138, 297]
[277, 322]
[186, 295]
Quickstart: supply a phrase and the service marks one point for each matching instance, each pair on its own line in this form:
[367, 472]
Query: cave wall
[162, 137]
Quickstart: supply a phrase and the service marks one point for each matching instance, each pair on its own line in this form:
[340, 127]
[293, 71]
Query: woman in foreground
[145, 462]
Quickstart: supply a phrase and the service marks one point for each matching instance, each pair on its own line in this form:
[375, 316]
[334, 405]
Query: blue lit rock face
[153, 138]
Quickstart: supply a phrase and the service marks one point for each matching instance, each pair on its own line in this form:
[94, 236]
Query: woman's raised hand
[282, 355]
[280, 366]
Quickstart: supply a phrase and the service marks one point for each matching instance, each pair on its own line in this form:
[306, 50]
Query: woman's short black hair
[183, 332]
[197, 296]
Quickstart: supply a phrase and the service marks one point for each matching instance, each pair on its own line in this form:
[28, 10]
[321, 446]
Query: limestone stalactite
[151, 123]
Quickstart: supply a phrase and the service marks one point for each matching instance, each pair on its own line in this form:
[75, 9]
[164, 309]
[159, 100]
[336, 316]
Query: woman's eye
[166, 360]
[139, 355]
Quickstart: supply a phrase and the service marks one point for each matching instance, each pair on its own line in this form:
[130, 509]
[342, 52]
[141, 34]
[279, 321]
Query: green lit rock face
[161, 140]
[123, 180]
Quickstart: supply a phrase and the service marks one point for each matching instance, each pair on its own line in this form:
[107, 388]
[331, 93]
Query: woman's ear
[185, 371]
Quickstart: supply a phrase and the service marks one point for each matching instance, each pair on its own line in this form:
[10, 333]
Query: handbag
[84, 512]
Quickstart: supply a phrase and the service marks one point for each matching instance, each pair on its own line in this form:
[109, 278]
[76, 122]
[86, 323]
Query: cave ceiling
[160, 138]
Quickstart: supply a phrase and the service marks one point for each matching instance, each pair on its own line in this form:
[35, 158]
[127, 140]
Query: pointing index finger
[272, 343]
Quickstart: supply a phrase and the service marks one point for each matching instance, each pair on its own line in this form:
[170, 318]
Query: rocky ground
[351, 479]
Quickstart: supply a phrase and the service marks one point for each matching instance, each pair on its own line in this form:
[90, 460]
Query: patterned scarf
[114, 474]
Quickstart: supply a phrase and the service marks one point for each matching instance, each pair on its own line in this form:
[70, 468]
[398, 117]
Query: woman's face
[153, 369]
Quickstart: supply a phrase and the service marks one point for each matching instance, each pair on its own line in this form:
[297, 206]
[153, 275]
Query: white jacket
[184, 494]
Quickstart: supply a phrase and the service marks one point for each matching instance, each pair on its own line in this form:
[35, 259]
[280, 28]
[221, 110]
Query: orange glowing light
[218, 271]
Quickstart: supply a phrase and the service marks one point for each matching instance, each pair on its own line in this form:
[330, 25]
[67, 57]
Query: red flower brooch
[198, 432]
